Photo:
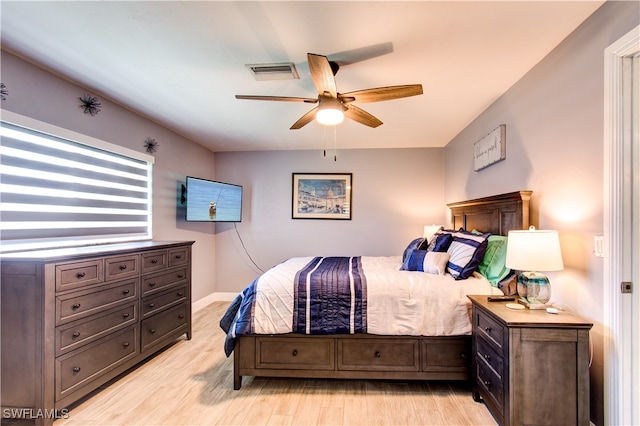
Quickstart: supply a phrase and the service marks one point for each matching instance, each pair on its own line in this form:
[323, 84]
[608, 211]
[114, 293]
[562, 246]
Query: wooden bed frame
[366, 356]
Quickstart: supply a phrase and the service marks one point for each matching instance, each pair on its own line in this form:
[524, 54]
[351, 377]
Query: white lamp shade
[534, 250]
[429, 230]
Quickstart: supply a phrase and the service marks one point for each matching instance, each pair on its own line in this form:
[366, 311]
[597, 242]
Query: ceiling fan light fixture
[330, 116]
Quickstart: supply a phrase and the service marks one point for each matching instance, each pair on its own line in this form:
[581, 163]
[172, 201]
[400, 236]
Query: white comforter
[398, 302]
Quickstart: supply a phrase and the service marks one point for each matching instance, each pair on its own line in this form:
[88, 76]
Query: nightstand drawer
[491, 330]
[491, 384]
[486, 355]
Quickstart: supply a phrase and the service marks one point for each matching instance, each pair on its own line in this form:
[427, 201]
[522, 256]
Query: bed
[389, 325]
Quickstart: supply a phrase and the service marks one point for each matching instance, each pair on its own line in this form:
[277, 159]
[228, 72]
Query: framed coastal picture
[321, 196]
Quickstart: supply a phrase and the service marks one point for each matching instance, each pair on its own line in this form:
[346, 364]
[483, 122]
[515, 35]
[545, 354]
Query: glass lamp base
[534, 288]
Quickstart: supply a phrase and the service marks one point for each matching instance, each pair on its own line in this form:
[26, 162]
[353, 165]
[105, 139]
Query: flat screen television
[211, 201]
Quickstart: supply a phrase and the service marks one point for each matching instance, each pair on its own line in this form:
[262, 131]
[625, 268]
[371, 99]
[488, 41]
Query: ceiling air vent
[281, 71]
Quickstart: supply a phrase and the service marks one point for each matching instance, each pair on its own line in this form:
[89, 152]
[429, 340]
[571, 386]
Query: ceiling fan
[334, 106]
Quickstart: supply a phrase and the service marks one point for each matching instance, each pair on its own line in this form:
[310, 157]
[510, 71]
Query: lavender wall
[43, 96]
[555, 125]
[395, 193]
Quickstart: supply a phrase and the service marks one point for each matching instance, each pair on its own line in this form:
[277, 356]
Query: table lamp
[430, 230]
[531, 252]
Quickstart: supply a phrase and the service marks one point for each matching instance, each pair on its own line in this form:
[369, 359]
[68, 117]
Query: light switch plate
[598, 245]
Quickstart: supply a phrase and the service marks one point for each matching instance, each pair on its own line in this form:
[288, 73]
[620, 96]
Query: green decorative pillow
[493, 263]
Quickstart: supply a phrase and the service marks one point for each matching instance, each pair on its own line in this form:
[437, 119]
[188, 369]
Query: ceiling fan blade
[276, 98]
[322, 75]
[361, 116]
[383, 93]
[305, 119]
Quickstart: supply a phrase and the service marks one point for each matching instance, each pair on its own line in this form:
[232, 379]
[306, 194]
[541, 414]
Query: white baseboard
[213, 297]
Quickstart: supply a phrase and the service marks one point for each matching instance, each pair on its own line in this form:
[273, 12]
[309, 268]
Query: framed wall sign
[490, 149]
[321, 196]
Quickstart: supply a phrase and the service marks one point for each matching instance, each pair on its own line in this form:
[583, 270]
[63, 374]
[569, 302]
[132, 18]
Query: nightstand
[529, 366]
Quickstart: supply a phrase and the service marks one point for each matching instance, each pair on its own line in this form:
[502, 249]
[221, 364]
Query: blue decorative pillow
[430, 262]
[465, 253]
[413, 245]
[441, 239]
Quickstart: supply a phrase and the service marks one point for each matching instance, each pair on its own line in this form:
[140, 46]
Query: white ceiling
[181, 63]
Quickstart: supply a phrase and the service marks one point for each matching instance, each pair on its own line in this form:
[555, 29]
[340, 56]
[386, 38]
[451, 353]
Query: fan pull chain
[335, 144]
[324, 141]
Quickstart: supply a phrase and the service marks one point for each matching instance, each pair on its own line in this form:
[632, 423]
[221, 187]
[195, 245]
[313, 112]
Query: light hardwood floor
[191, 383]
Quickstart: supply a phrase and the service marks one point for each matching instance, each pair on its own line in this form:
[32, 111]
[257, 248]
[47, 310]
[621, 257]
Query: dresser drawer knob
[463, 355]
[75, 306]
[180, 275]
[378, 354]
[152, 330]
[178, 256]
[487, 329]
[154, 261]
[123, 267]
[487, 357]
[76, 369]
[127, 291]
[181, 316]
[180, 294]
[80, 275]
[487, 383]
[152, 305]
[76, 334]
[125, 344]
[152, 284]
[125, 315]
[294, 353]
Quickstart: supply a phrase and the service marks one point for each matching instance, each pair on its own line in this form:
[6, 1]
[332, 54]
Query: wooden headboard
[497, 214]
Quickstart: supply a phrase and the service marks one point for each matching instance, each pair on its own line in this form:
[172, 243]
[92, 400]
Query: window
[69, 189]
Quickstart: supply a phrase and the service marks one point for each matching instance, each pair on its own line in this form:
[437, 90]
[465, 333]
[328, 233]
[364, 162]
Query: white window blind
[57, 192]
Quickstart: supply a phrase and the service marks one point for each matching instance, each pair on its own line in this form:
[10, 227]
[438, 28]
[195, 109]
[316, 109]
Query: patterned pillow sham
[430, 262]
[413, 245]
[465, 253]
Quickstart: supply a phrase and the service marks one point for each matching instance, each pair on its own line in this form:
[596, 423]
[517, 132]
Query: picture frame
[321, 196]
[490, 149]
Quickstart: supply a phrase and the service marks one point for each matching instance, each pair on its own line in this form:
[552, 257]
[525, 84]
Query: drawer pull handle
[294, 353]
[80, 275]
[487, 383]
[152, 305]
[123, 267]
[154, 261]
[153, 330]
[75, 306]
[181, 316]
[152, 284]
[487, 357]
[180, 275]
[125, 315]
[378, 354]
[76, 369]
[125, 344]
[463, 355]
[487, 329]
[178, 256]
[180, 294]
[76, 334]
[127, 291]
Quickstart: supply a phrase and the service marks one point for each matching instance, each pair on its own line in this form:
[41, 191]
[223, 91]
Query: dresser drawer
[378, 355]
[87, 363]
[155, 282]
[446, 353]
[121, 267]
[163, 325]
[163, 300]
[83, 303]
[78, 333]
[76, 275]
[178, 256]
[491, 330]
[491, 386]
[154, 261]
[485, 354]
[298, 354]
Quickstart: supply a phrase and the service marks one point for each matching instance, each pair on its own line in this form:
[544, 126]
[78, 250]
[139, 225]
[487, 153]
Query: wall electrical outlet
[598, 245]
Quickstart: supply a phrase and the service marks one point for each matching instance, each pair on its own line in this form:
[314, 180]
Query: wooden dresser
[73, 319]
[529, 366]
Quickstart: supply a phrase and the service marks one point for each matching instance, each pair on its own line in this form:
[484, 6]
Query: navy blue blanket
[329, 298]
